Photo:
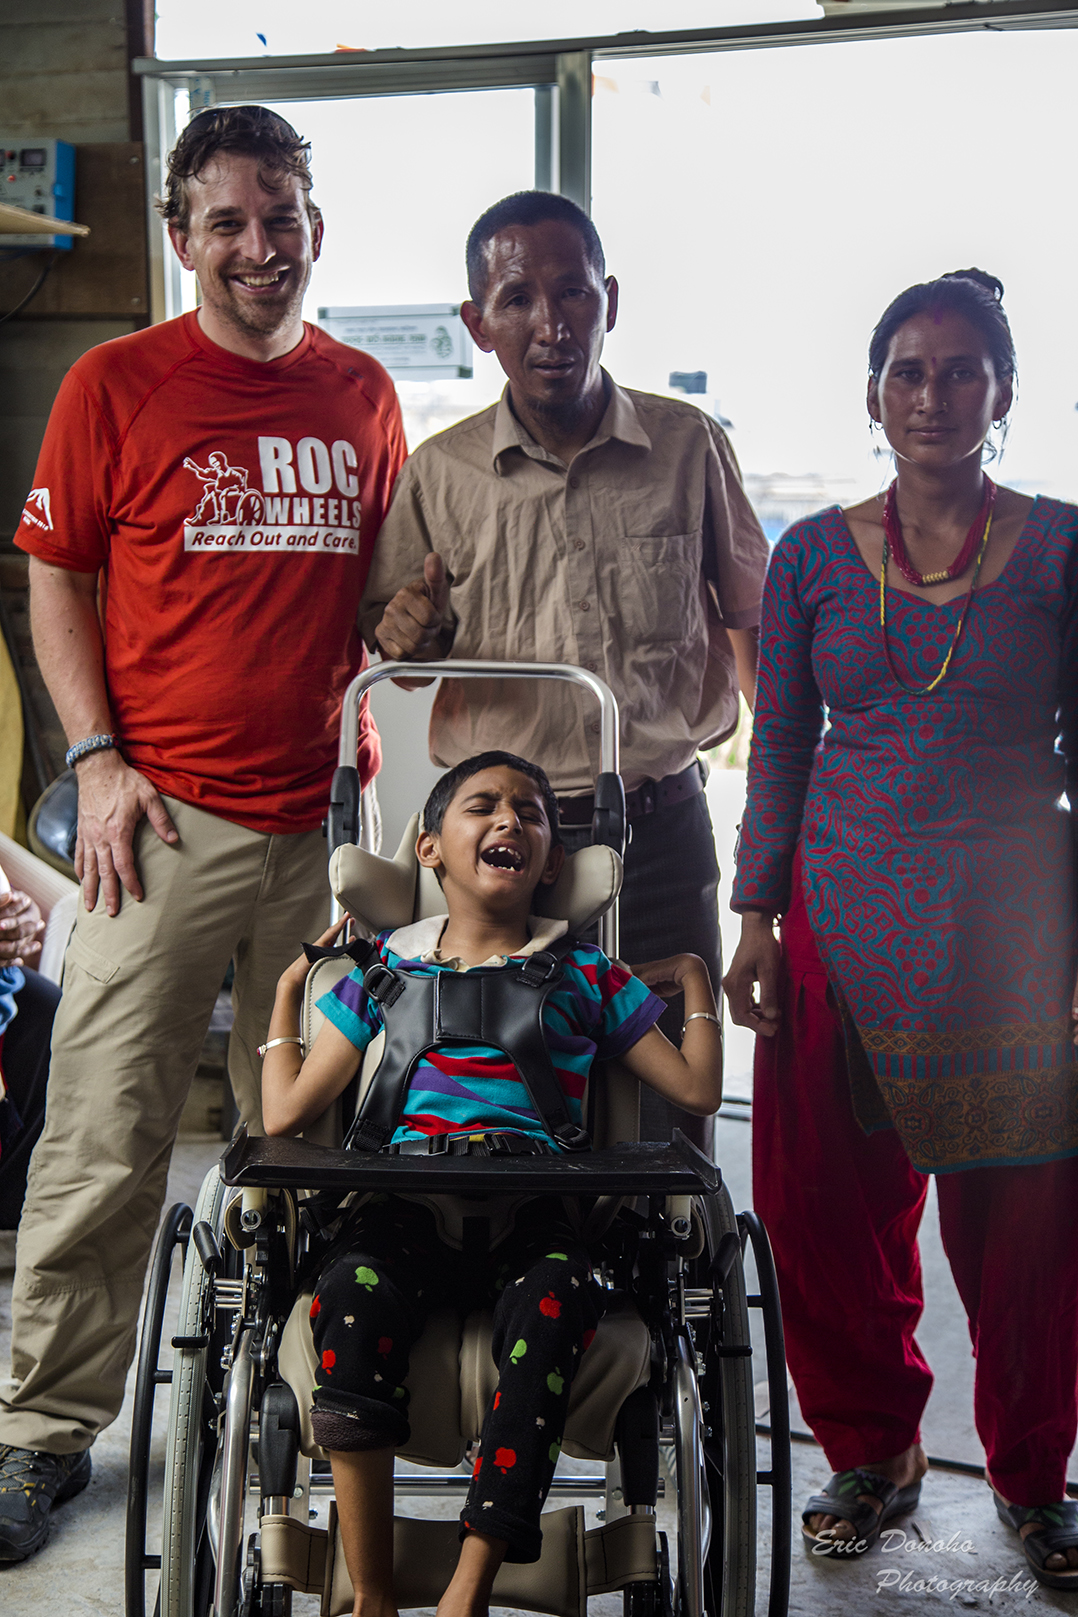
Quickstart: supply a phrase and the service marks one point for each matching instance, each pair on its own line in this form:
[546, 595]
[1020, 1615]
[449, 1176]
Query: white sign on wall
[420, 342]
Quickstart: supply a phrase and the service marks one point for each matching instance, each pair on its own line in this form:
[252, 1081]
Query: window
[761, 208]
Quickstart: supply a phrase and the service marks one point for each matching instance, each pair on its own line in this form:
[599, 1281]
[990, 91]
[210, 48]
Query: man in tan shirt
[576, 521]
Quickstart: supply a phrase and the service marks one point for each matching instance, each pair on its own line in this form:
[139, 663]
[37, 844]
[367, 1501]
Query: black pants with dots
[387, 1272]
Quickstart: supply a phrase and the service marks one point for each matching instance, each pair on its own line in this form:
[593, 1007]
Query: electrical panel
[38, 175]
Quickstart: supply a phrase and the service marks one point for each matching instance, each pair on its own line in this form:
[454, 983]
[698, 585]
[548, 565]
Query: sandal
[1057, 1531]
[840, 1499]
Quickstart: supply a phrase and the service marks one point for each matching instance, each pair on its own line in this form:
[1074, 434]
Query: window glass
[400, 181]
[761, 209]
[204, 29]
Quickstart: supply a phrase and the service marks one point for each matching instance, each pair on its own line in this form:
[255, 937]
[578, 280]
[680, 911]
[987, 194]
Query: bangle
[702, 1016]
[293, 1038]
[82, 749]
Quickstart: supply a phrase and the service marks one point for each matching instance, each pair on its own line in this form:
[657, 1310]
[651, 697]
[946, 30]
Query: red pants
[842, 1210]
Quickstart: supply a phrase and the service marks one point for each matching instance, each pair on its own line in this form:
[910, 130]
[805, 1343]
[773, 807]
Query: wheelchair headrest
[381, 893]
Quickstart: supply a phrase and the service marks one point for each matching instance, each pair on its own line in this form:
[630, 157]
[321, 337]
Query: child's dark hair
[970, 292]
[447, 788]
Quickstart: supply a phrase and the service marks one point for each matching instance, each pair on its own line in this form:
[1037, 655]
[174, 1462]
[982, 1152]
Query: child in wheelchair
[490, 833]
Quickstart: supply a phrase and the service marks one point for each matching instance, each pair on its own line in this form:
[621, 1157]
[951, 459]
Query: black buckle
[383, 984]
[539, 968]
[573, 1138]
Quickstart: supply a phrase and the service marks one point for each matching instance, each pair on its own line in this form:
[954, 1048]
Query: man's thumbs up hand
[413, 621]
[436, 582]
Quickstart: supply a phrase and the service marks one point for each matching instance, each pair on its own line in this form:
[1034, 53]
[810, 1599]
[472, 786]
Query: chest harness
[499, 1006]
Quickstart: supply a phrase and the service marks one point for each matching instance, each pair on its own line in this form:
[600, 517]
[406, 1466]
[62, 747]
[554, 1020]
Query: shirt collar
[619, 420]
[420, 940]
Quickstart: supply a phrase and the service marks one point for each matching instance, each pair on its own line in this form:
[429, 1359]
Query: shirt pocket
[657, 587]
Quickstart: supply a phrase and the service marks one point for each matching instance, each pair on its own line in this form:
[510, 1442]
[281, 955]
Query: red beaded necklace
[892, 528]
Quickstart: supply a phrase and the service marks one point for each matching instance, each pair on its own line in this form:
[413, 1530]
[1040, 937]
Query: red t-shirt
[232, 507]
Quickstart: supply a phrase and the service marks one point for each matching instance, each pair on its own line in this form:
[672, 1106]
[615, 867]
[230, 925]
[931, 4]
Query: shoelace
[21, 1470]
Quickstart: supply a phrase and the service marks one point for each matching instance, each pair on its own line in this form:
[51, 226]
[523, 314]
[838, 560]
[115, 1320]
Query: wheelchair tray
[631, 1169]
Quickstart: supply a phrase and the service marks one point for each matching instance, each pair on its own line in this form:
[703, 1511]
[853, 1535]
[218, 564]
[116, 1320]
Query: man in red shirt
[205, 505]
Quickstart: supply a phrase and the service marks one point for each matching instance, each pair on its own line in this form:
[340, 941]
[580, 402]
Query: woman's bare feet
[903, 1470]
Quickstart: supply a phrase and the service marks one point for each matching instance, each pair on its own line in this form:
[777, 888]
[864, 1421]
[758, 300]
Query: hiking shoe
[31, 1482]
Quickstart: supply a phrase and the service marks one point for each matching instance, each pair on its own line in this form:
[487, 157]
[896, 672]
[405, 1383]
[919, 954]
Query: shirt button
[596, 728]
[590, 667]
[585, 606]
[574, 482]
[578, 544]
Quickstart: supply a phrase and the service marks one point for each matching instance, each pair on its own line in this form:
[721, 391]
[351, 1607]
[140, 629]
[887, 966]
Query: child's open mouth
[503, 857]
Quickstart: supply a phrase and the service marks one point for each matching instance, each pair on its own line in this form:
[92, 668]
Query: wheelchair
[663, 1400]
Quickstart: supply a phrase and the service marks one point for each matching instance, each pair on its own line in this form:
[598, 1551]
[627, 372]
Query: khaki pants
[138, 992]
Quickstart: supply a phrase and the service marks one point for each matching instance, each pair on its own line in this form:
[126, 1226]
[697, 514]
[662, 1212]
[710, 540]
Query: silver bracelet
[293, 1038]
[702, 1016]
[82, 749]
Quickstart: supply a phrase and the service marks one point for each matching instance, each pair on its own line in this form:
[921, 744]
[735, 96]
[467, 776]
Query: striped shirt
[598, 1011]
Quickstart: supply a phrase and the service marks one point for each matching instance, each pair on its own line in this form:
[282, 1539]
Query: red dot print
[497, 1399]
[329, 1359]
[505, 1459]
[385, 1343]
[316, 1308]
[476, 1466]
[589, 1338]
[550, 1306]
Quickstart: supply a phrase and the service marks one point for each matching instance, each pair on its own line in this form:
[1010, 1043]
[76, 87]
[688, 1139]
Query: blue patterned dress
[937, 857]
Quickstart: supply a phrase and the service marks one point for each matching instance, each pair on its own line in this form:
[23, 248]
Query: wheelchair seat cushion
[452, 1377]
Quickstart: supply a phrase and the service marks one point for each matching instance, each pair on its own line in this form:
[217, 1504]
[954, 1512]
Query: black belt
[645, 799]
[475, 1143]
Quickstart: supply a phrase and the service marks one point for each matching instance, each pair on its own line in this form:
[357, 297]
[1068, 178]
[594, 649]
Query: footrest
[293, 1553]
[573, 1565]
[620, 1552]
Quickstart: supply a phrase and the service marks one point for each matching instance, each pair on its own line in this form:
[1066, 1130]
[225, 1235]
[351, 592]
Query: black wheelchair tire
[175, 1231]
[186, 1559]
[730, 1427]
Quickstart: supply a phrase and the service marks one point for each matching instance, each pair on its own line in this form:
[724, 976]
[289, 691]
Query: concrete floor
[952, 1554]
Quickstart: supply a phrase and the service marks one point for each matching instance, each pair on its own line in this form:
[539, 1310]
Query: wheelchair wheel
[187, 1555]
[174, 1234]
[778, 1476]
[727, 1430]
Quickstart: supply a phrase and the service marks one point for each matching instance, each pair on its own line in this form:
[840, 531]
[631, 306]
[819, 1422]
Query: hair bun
[982, 278]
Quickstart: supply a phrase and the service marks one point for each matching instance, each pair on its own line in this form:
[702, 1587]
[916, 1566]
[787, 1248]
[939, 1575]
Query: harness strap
[499, 1006]
[360, 950]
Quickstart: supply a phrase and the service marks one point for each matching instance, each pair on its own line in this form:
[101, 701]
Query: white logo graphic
[230, 515]
[225, 495]
[38, 509]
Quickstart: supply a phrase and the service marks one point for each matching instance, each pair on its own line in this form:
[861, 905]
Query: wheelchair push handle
[468, 668]
[345, 820]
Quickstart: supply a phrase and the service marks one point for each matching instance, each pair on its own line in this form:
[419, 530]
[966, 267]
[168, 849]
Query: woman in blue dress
[917, 1015]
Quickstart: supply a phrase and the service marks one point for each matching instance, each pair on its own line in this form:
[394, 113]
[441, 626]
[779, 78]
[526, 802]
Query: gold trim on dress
[931, 1042]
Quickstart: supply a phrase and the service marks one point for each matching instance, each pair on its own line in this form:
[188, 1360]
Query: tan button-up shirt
[630, 562]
